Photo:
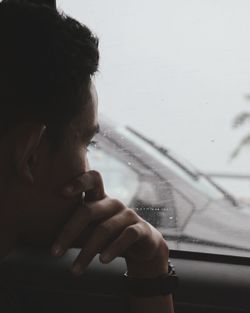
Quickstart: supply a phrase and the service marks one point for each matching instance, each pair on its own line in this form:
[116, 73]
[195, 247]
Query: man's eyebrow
[91, 132]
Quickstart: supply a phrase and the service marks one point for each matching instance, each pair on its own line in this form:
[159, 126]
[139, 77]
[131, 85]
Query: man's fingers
[79, 184]
[128, 237]
[97, 192]
[90, 183]
[103, 235]
[83, 216]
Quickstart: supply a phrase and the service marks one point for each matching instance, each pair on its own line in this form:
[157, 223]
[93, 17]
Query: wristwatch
[164, 284]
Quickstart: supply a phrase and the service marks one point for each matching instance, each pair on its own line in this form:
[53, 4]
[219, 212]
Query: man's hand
[105, 226]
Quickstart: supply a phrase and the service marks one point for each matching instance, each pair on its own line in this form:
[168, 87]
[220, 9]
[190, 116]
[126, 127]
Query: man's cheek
[62, 209]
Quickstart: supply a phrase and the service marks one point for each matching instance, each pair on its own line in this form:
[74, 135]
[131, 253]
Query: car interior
[213, 271]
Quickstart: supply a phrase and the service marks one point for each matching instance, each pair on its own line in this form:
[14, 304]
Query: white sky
[177, 70]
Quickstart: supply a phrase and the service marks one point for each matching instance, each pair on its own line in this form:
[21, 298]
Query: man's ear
[27, 141]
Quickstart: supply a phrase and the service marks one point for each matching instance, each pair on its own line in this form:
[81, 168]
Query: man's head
[48, 115]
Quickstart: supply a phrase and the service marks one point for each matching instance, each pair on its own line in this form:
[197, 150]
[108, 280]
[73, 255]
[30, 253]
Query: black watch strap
[164, 284]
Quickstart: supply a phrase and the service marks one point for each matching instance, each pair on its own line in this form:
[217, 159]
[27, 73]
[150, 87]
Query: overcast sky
[177, 70]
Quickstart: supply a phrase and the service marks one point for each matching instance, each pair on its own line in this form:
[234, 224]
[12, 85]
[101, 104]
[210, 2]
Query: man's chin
[42, 231]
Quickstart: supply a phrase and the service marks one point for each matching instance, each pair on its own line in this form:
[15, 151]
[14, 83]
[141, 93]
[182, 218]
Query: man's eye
[92, 143]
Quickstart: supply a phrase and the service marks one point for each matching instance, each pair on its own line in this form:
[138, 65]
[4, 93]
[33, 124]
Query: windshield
[176, 72]
[177, 164]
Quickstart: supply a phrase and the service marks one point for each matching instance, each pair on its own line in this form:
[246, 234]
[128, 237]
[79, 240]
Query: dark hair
[46, 63]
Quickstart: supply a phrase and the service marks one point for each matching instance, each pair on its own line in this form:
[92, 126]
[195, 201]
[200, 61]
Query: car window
[180, 166]
[174, 85]
[115, 175]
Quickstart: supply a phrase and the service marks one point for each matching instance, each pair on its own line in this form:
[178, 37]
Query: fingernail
[57, 250]
[106, 258]
[77, 269]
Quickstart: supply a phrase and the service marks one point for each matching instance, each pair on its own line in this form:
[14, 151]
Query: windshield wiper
[163, 151]
[195, 176]
[223, 191]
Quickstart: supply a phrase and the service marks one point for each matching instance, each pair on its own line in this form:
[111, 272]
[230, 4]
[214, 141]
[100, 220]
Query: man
[48, 117]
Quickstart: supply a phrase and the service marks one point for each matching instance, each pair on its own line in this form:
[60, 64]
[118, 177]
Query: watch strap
[164, 284]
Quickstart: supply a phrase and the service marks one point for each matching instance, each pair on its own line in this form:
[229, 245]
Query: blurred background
[179, 72]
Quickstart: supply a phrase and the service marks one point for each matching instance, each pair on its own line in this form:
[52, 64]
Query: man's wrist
[150, 269]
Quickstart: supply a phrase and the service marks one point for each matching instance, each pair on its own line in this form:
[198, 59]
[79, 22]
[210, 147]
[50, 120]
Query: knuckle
[118, 204]
[150, 228]
[131, 214]
[133, 231]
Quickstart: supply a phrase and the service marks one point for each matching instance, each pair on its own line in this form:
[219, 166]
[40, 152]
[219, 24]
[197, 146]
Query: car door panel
[36, 281]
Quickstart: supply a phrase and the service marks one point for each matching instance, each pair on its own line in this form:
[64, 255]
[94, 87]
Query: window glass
[174, 82]
[177, 164]
[115, 175]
